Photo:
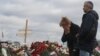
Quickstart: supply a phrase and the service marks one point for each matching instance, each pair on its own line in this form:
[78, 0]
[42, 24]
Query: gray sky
[43, 15]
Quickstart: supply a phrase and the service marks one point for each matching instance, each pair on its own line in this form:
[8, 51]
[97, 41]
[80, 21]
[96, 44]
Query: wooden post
[2, 35]
[26, 27]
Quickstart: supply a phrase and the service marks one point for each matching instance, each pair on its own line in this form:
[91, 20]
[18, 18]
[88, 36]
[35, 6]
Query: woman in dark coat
[69, 36]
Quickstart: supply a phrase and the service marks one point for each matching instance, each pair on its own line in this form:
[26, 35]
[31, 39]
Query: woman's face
[65, 24]
[66, 27]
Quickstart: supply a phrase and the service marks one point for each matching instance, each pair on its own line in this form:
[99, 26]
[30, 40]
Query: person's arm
[86, 26]
[76, 29]
[64, 37]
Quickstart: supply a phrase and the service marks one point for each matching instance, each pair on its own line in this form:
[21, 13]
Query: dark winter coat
[88, 31]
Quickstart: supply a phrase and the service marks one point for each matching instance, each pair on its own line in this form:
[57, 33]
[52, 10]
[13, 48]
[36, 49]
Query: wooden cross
[25, 31]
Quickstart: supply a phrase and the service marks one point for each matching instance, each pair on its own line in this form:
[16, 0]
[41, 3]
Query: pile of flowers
[47, 48]
[97, 51]
[37, 48]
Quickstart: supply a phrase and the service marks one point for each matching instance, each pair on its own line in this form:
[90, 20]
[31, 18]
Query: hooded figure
[88, 31]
